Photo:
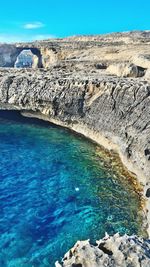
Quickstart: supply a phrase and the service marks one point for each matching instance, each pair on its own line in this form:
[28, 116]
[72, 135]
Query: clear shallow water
[54, 190]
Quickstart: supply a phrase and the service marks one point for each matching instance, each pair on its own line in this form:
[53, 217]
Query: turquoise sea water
[54, 190]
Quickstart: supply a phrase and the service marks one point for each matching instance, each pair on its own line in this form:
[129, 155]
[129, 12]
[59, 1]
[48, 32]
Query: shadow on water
[16, 116]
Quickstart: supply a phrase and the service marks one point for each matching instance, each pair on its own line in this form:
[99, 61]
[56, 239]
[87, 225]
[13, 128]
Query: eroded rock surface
[107, 49]
[111, 251]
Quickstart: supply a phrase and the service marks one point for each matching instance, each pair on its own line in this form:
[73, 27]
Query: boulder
[142, 61]
[124, 70]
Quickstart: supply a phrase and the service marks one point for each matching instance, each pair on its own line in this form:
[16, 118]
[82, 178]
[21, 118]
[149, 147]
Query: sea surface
[55, 190]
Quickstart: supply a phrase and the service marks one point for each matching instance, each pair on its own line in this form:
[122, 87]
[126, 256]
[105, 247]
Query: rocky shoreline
[111, 251]
[84, 97]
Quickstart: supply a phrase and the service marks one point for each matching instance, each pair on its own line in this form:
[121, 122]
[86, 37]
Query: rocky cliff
[114, 112]
[80, 91]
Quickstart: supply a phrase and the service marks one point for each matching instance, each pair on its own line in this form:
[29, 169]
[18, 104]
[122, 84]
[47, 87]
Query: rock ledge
[111, 251]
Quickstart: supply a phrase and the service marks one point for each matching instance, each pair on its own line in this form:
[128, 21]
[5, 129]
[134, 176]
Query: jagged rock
[111, 251]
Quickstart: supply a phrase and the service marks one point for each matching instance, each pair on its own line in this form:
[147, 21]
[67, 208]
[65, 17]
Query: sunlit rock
[111, 251]
[123, 70]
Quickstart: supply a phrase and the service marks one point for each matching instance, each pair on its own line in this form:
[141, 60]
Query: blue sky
[38, 19]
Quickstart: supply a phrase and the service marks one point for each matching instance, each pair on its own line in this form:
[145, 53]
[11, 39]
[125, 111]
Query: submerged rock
[111, 251]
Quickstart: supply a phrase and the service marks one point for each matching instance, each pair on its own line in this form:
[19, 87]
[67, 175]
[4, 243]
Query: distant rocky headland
[98, 86]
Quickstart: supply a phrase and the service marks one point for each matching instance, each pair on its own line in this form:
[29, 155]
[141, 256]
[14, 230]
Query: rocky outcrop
[107, 49]
[49, 57]
[124, 70]
[111, 251]
[142, 60]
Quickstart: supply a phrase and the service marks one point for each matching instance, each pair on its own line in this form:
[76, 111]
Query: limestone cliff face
[112, 111]
[104, 106]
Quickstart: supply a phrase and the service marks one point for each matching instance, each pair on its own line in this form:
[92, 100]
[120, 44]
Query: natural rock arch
[26, 59]
[9, 54]
[35, 51]
[46, 56]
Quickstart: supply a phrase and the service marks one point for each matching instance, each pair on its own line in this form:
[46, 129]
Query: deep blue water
[54, 190]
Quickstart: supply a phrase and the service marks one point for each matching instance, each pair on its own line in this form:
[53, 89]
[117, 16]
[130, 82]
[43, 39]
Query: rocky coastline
[112, 109]
[111, 251]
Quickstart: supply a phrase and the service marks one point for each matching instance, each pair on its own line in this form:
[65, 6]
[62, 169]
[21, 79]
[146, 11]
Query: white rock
[123, 70]
[142, 61]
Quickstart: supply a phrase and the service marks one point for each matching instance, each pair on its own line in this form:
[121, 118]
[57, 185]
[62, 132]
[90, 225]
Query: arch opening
[26, 59]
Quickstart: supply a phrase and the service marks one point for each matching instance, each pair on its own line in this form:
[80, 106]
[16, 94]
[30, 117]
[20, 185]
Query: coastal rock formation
[75, 90]
[107, 49]
[111, 251]
[10, 53]
[116, 108]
